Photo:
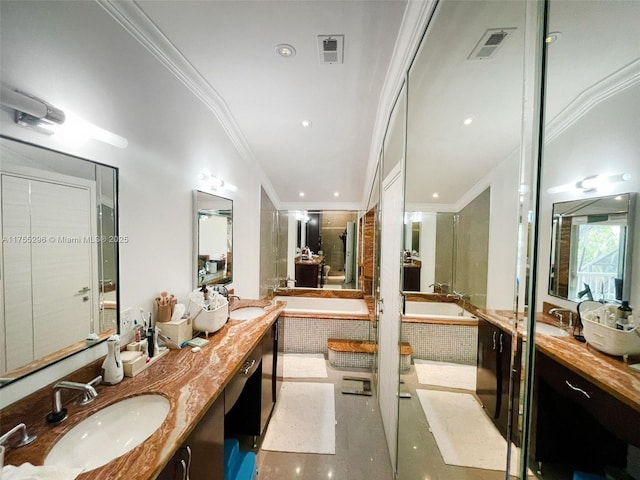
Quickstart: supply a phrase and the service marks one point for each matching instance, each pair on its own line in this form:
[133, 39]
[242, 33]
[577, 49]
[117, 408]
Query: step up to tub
[238, 465]
[345, 353]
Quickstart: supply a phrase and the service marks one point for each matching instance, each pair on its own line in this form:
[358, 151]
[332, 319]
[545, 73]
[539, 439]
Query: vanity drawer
[608, 411]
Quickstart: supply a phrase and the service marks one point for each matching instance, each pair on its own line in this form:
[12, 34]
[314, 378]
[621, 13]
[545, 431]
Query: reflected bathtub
[438, 311]
[324, 306]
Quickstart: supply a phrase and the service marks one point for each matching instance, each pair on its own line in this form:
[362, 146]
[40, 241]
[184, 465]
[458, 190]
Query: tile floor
[361, 450]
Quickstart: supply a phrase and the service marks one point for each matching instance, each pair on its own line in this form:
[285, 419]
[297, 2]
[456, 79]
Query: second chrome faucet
[58, 413]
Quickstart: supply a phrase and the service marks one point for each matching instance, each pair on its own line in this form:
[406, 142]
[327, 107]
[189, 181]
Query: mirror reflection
[323, 250]
[60, 241]
[590, 250]
[463, 142]
[214, 239]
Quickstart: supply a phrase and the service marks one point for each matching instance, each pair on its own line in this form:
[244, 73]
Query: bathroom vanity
[193, 382]
[493, 374]
[308, 272]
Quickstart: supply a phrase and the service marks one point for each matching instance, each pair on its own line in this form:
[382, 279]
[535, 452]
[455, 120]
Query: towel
[26, 471]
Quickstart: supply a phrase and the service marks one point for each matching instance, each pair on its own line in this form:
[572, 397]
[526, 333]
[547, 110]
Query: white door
[389, 326]
[58, 305]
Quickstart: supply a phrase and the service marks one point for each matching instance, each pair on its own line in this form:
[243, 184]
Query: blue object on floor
[238, 465]
[587, 476]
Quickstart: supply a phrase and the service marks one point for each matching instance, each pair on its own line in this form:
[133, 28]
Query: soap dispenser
[112, 370]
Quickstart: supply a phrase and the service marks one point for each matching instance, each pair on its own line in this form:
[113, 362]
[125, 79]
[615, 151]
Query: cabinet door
[487, 371]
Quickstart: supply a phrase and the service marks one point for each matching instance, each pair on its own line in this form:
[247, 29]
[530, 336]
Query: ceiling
[232, 44]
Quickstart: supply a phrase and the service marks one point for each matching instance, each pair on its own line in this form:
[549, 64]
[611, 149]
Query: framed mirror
[59, 264]
[591, 248]
[213, 239]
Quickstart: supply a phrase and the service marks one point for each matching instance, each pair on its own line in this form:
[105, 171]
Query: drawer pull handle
[247, 366]
[577, 389]
[494, 339]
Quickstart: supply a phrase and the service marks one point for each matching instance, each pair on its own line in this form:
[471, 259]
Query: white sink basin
[247, 313]
[109, 433]
[546, 329]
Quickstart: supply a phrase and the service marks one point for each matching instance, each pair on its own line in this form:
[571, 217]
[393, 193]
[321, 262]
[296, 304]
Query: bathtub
[438, 311]
[324, 306]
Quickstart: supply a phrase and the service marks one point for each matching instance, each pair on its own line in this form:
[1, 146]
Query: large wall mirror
[213, 239]
[592, 248]
[322, 249]
[59, 271]
[463, 145]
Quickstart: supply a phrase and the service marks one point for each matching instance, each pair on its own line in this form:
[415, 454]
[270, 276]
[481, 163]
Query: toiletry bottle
[113, 371]
[622, 315]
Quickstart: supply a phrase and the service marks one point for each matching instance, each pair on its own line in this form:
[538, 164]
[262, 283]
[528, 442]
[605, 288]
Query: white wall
[83, 61]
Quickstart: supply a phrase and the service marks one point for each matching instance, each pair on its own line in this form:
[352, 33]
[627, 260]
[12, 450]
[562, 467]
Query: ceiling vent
[490, 42]
[330, 48]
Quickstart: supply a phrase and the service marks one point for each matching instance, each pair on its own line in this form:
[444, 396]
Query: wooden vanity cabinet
[493, 375]
[307, 275]
[577, 423]
[411, 278]
[202, 454]
[253, 408]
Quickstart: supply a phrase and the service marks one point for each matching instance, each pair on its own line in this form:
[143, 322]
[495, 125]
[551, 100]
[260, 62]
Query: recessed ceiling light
[301, 194]
[553, 37]
[336, 194]
[305, 123]
[468, 121]
[435, 195]
[285, 50]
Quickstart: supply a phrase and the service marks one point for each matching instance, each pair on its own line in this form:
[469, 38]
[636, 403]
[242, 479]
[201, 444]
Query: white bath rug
[443, 374]
[304, 365]
[304, 420]
[465, 435]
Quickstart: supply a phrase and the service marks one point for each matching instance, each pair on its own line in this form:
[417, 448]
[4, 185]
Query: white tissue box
[179, 331]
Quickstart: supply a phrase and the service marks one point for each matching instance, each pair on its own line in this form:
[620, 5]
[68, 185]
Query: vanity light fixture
[594, 183]
[36, 114]
[215, 183]
[591, 183]
[285, 50]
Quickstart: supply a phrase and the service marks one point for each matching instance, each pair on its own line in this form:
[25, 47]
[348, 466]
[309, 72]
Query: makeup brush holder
[164, 313]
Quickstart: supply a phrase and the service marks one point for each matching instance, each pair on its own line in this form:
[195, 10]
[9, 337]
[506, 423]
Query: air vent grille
[490, 42]
[330, 49]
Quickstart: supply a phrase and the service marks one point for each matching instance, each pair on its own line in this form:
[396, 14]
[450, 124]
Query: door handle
[83, 290]
[381, 305]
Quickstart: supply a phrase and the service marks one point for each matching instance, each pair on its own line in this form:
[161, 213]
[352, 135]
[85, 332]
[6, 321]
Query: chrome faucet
[439, 287]
[58, 413]
[557, 312]
[25, 439]
[460, 296]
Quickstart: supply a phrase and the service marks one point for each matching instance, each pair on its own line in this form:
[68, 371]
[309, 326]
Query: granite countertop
[607, 372]
[317, 260]
[192, 381]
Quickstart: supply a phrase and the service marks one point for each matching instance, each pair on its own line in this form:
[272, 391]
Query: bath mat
[443, 374]
[304, 420]
[464, 434]
[304, 365]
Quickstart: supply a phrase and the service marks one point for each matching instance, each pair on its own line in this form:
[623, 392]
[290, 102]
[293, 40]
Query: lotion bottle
[112, 369]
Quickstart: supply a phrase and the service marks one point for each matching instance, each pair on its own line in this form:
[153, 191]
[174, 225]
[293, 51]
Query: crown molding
[323, 206]
[138, 24]
[609, 86]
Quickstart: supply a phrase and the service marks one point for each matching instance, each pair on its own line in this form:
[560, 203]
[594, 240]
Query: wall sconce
[36, 114]
[216, 183]
[592, 183]
[597, 182]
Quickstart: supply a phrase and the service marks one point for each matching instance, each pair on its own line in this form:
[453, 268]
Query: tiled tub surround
[310, 334]
[442, 335]
[191, 381]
